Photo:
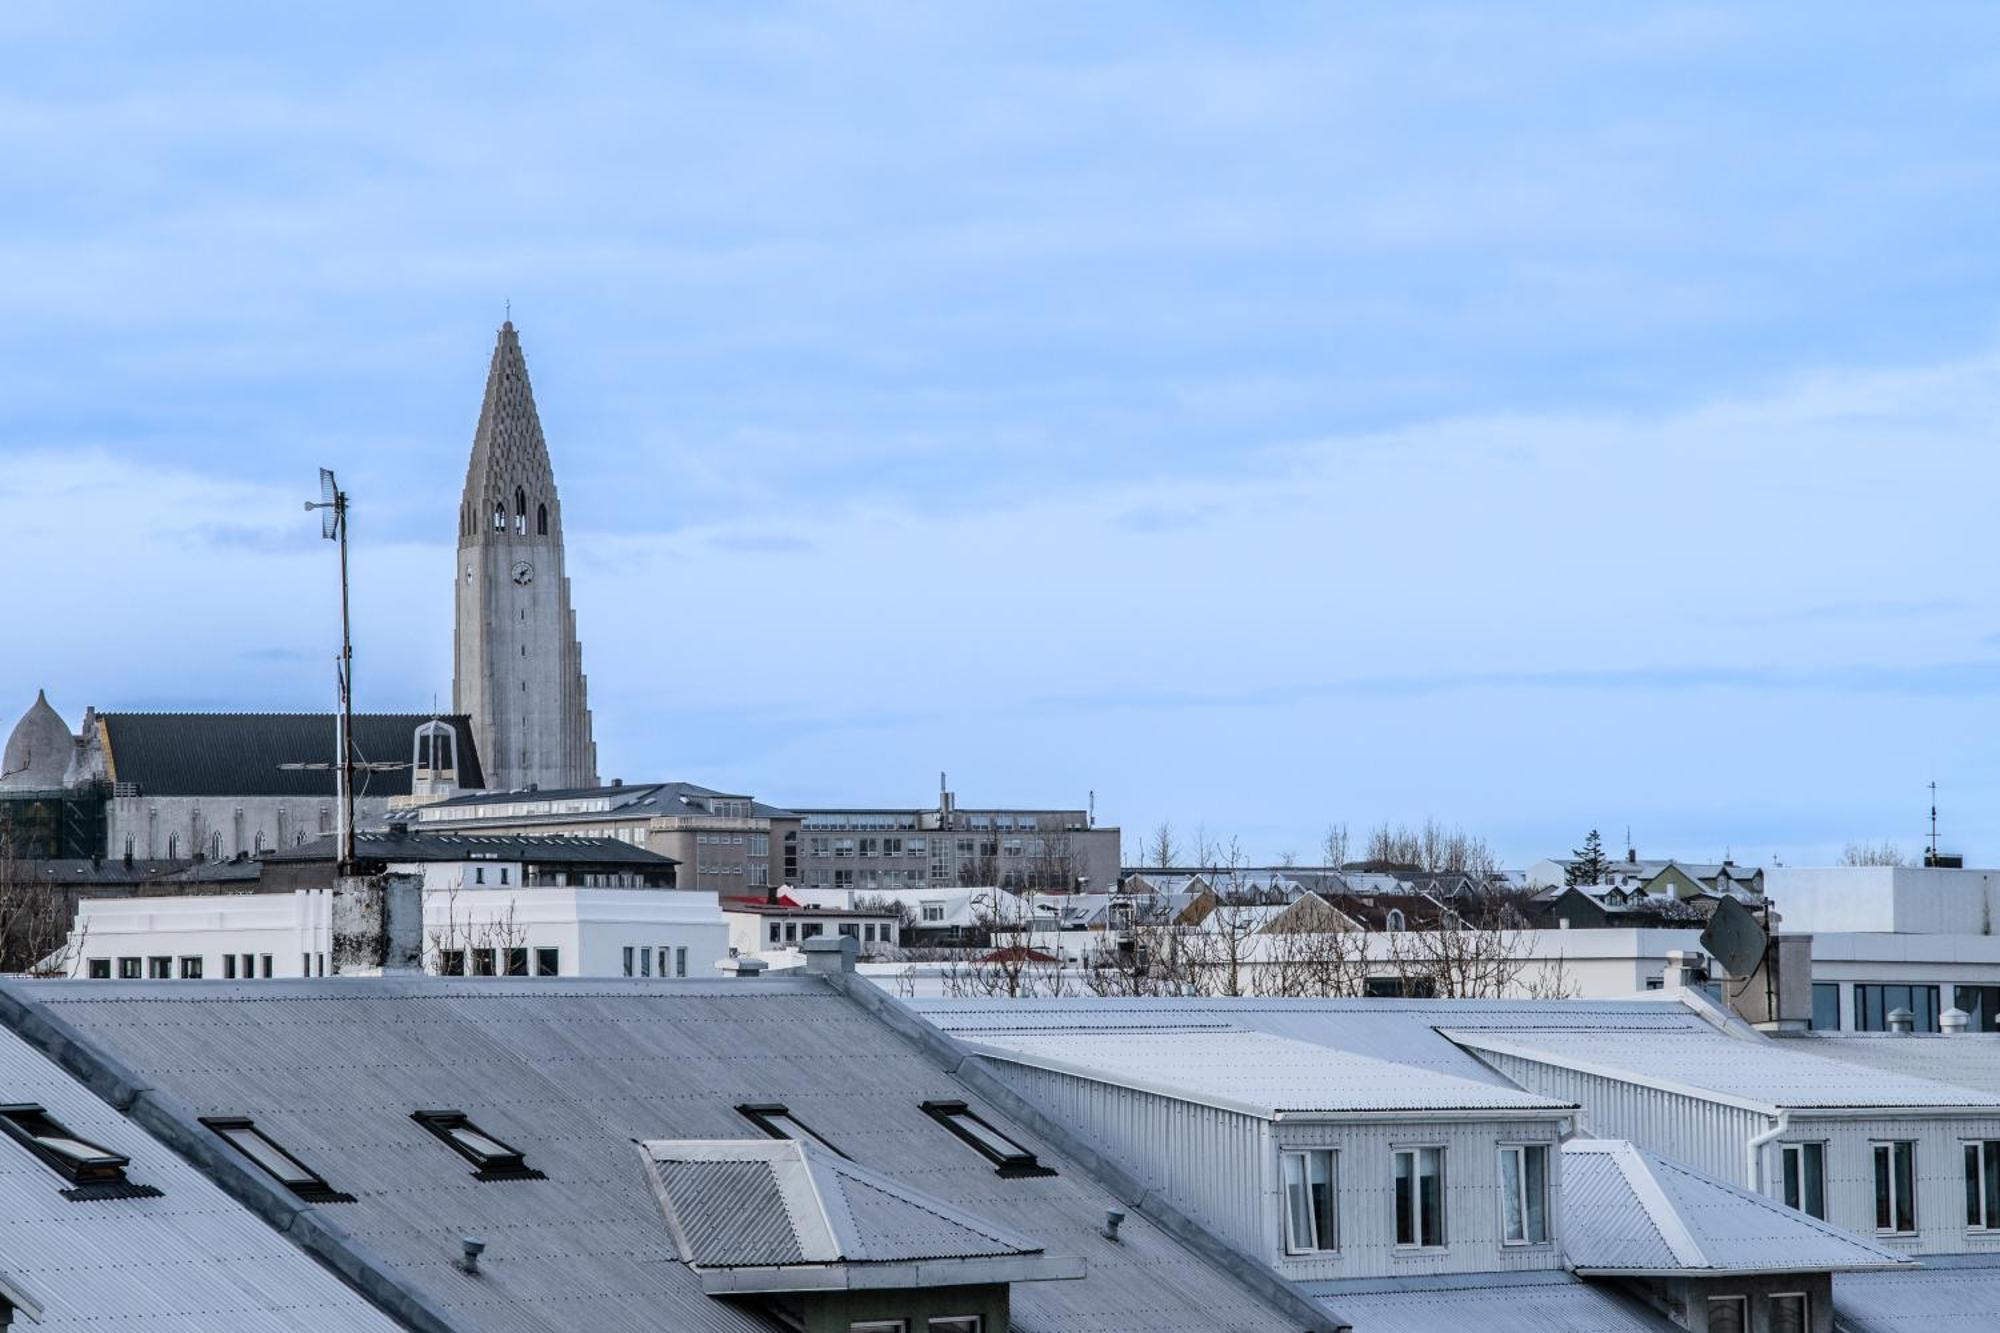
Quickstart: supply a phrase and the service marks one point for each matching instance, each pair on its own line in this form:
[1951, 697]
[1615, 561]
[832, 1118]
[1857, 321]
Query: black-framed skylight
[777, 1120]
[491, 1158]
[242, 1134]
[1008, 1157]
[93, 1171]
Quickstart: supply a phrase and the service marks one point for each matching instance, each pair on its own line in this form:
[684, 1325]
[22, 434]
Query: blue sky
[1537, 417]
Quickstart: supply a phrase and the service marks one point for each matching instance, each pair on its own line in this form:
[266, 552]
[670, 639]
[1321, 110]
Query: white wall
[292, 928]
[1910, 899]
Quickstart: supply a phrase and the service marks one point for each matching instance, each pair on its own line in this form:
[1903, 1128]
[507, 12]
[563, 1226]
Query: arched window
[520, 510]
[541, 520]
[1395, 921]
[128, 847]
[499, 518]
[258, 844]
[215, 846]
[173, 846]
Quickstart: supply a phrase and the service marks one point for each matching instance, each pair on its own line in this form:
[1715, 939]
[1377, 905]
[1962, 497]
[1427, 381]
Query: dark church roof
[243, 754]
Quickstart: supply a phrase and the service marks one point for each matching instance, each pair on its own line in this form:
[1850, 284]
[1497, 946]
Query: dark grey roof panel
[243, 754]
[730, 1213]
[427, 846]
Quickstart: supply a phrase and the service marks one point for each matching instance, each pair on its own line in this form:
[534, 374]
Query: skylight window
[780, 1123]
[492, 1159]
[265, 1154]
[94, 1170]
[1008, 1157]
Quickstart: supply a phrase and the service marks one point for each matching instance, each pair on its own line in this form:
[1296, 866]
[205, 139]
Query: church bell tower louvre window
[520, 510]
[541, 520]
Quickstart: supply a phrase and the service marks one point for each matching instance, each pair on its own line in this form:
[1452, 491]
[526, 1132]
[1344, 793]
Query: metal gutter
[1256, 1276]
[301, 1223]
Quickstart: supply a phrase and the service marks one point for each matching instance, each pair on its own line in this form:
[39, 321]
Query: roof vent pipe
[1953, 1021]
[1902, 1022]
[1113, 1217]
[470, 1250]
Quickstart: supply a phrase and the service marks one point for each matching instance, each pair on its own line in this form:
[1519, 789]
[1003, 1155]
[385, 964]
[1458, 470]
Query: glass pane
[1319, 1175]
[75, 1150]
[992, 1139]
[1814, 1157]
[1513, 1225]
[1788, 1313]
[1974, 1216]
[1883, 1215]
[1538, 1194]
[1990, 1154]
[1826, 1007]
[1726, 1315]
[1430, 1195]
[479, 1143]
[1406, 1226]
[1794, 1195]
[1906, 1187]
[971, 1323]
[1298, 1209]
[266, 1154]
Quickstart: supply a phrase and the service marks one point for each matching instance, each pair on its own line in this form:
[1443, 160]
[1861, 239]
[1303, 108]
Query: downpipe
[1754, 1150]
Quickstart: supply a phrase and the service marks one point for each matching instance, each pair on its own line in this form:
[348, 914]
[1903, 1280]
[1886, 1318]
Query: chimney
[1113, 1219]
[1954, 1021]
[378, 924]
[830, 953]
[1902, 1022]
[469, 1251]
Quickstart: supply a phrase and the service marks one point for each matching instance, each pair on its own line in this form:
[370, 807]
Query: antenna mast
[333, 526]
[1934, 852]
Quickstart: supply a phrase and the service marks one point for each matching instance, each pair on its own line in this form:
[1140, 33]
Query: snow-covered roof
[1627, 1211]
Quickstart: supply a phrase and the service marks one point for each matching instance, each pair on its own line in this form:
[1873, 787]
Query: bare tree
[1872, 854]
[35, 919]
[1161, 849]
[1432, 847]
[1333, 847]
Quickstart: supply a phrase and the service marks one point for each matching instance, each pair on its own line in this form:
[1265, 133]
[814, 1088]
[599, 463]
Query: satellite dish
[329, 510]
[1734, 938]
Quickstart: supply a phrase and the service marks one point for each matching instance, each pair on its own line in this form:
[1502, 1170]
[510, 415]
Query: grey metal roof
[1253, 1072]
[242, 754]
[1949, 1294]
[1760, 1074]
[424, 845]
[191, 1260]
[626, 798]
[1966, 1059]
[573, 1073]
[1628, 1211]
[1527, 1302]
[728, 1212]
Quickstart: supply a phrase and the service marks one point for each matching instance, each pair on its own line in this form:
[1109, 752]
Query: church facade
[217, 786]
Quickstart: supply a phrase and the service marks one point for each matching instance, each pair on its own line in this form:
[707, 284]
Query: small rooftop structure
[1629, 1213]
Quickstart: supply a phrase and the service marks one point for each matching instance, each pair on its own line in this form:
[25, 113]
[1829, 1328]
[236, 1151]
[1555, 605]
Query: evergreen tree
[1588, 862]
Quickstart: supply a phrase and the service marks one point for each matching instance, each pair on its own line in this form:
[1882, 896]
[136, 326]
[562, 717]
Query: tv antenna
[332, 506]
[1934, 852]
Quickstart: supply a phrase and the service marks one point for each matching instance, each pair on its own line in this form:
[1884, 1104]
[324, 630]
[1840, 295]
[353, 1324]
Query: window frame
[1415, 1152]
[1742, 1304]
[1305, 1155]
[1798, 1149]
[1019, 1164]
[512, 1164]
[312, 1186]
[1982, 1182]
[956, 1323]
[104, 1170]
[766, 1115]
[1804, 1298]
[1888, 1191]
[1520, 1150]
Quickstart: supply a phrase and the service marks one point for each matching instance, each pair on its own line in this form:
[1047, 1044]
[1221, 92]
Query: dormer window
[94, 1170]
[492, 1159]
[264, 1153]
[1009, 1158]
[778, 1122]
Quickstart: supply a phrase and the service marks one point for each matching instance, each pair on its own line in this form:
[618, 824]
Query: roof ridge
[1673, 1231]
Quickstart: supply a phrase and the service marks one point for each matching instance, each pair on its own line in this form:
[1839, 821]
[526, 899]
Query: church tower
[517, 668]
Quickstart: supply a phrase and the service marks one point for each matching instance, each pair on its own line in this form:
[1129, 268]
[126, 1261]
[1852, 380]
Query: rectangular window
[1420, 1197]
[1873, 1004]
[479, 874]
[1896, 1187]
[493, 1159]
[1312, 1221]
[305, 964]
[100, 969]
[791, 932]
[229, 967]
[264, 964]
[1728, 1314]
[645, 962]
[244, 1136]
[1826, 1006]
[485, 962]
[451, 962]
[517, 962]
[190, 969]
[159, 969]
[1524, 1194]
[1805, 1178]
[548, 962]
[128, 969]
[1788, 1313]
[1010, 1158]
[775, 930]
[628, 960]
[75, 1159]
[933, 912]
[957, 1323]
[879, 1326]
[681, 961]
[249, 968]
[780, 1123]
[1982, 1186]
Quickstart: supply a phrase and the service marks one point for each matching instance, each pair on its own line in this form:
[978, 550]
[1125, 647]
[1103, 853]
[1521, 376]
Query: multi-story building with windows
[888, 849]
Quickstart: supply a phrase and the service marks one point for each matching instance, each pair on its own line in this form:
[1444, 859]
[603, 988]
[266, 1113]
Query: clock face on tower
[524, 573]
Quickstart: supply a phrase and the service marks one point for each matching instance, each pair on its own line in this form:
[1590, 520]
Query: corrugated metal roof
[573, 1072]
[728, 1212]
[1625, 1210]
[1949, 1294]
[1535, 1302]
[1966, 1059]
[1253, 1072]
[242, 754]
[1761, 1074]
[191, 1260]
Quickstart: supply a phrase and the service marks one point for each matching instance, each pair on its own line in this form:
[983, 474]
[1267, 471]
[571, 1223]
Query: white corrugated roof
[1762, 1075]
[1966, 1060]
[1949, 1294]
[1528, 1302]
[1627, 1211]
[1253, 1072]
